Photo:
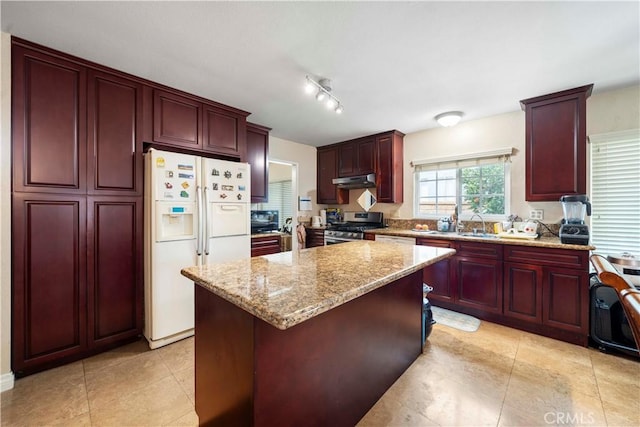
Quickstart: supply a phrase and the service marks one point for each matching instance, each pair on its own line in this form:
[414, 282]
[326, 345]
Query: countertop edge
[546, 242]
[297, 317]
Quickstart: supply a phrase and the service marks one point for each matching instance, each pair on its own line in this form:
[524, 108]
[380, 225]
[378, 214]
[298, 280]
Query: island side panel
[330, 370]
[223, 361]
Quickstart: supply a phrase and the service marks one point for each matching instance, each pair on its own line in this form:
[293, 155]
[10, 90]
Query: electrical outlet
[536, 214]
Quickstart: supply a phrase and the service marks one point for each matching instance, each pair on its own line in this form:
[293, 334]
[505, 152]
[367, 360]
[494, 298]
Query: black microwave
[264, 221]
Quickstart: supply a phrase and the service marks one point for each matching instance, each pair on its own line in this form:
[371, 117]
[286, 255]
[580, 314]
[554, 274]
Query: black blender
[573, 229]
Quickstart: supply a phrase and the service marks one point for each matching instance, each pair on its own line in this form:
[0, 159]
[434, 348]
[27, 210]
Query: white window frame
[461, 161]
[615, 192]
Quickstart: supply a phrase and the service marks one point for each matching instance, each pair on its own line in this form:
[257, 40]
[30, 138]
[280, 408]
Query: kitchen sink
[479, 235]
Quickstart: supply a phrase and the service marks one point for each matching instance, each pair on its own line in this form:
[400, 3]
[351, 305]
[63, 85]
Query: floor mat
[455, 320]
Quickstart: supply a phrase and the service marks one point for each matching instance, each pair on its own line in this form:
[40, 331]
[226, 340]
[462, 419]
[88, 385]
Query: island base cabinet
[329, 370]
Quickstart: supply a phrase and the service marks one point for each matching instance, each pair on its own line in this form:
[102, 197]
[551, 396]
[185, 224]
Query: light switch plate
[536, 214]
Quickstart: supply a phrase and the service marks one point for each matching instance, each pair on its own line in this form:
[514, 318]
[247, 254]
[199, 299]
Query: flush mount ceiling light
[450, 118]
[323, 87]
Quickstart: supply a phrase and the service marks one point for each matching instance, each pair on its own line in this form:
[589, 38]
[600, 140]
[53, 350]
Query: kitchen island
[309, 337]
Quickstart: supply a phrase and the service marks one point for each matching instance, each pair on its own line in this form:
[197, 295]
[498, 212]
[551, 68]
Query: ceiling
[394, 65]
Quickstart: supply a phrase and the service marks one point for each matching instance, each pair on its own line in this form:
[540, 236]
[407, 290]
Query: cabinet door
[439, 275]
[224, 132]
[177, 120]
[523, 292]
[328, 193]
[49, 123]
[479, 283]
[114, 135]
[265, 245]
[556, 144]
[565, 299]
[389, 159]
[347, 165]
[366, 156]
[49, 312]
[114, 269]
[258, 158]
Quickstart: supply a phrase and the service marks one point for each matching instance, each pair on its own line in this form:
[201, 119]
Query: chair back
[629, 296]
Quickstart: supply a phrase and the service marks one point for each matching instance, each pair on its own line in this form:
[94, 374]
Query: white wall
[6, 378]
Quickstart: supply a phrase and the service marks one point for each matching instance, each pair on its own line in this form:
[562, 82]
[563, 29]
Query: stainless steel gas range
[353, 227]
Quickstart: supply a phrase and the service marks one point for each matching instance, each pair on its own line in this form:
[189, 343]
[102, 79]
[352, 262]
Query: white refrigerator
[197, 211]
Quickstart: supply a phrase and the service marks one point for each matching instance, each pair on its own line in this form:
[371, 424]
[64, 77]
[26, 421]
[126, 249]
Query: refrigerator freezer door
[228, 181]
[174, 176]
[229, 248]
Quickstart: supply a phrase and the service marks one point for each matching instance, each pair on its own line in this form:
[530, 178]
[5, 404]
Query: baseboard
[6, 381]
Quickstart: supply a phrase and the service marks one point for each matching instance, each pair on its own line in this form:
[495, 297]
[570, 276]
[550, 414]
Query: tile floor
[496, 376]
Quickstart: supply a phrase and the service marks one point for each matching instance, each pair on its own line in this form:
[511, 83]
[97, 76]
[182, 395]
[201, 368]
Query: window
[615, 192]
[475, 184]
[280, 200]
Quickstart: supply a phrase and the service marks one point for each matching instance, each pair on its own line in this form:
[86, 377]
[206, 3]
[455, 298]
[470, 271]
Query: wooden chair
[629, 296]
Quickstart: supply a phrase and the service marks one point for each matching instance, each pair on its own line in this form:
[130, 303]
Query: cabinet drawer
[439, 243]
[479, 250]
[547, 256]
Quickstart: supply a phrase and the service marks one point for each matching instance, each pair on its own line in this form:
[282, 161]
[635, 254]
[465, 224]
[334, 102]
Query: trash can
[427, 314]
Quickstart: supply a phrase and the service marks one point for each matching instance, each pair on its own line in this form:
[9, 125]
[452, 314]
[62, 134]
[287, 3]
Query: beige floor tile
[188, 420]
[186, 379]
[116, 356]
[616, 368]
[388, 412]
[106, 385]
[158, 403]
[50, 397]
[554, 351]
[179, 355]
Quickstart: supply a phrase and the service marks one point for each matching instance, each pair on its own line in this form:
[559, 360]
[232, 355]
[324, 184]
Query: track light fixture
[323, 93]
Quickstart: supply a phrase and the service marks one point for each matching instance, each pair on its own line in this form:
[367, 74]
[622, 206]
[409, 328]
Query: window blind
[280, 200]
[615, 192]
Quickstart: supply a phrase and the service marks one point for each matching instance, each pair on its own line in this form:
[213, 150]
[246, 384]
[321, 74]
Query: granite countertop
[288, 288]
[546, 242]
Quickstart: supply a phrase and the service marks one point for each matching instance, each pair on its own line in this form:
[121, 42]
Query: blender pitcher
[574, 208]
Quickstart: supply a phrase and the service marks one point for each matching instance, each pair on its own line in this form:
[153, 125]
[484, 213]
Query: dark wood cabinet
[49, 101]
[265, 245]
[114, 269]
[49, 307]
[258, 158]
[77, 208]
[556, 144]
[440, 275]
[188, 122]
[315, 237]
[327, 169]
[114, 137]
[177, 120]
[549, 290]
[381, 154]
[389, 176]
[357, 157]
[224, 132]
[478, 276]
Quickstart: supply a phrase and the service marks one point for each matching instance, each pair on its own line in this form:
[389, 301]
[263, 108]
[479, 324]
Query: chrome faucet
[475, 230]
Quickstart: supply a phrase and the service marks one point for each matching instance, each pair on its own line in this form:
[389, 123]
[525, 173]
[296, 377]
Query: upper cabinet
[357, 157]
[91, 142]
[556, 144]
[258, 158]
[185, 121]
[389, 157]
[327, 192]
[49, 148]
[381, 154]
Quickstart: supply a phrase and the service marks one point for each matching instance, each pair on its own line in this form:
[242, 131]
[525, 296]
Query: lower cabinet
[265, 245]
[315, 237]
[541, 290]
[77, 277]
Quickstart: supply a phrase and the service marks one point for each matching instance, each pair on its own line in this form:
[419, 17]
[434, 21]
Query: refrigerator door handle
[206, 221]
[199, 233]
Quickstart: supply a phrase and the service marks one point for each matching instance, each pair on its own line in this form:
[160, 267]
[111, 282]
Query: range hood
[360, 181]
